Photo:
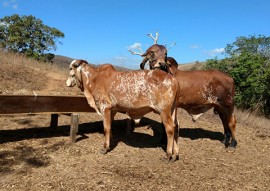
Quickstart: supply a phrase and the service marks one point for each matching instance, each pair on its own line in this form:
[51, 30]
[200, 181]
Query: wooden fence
[41, 104]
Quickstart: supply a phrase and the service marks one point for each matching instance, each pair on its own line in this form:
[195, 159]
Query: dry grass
[21, 75]
[10, 59]
[251, 119]
[261, 124]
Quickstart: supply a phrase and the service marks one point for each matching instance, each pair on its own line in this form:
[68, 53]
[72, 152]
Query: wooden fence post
[74, 127]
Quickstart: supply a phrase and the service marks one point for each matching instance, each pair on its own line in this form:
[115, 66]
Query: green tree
[248, 62]
[256, 45]
[28, 35]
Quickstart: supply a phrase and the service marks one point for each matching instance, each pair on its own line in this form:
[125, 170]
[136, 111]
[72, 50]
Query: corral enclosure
[33, 157]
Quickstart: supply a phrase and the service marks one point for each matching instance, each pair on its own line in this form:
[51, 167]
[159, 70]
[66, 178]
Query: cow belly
[134, 113]
[196, 110]
[128, 102]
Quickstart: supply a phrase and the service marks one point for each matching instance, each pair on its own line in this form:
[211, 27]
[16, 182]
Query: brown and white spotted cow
[135, 93]
[200, 90]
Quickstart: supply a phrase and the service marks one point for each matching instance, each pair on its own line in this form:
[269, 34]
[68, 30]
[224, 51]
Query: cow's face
[75, 74]
[156, 55]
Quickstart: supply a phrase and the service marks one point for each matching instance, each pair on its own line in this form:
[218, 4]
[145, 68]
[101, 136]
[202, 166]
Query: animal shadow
[199, 133]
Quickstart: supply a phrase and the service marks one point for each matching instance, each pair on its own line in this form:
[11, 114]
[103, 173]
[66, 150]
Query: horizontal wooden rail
[31, 104]
[38, 104]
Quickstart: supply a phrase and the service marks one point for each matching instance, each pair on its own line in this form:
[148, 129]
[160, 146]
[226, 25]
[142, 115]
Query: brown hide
[135, 93]
[201, 91]
[171, 65]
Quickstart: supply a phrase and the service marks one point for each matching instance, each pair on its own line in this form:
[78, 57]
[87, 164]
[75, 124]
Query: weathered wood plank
[15, 104]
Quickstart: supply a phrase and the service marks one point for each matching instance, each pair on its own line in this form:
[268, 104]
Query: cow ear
[168, 63]
[83, 63]
[143, 63]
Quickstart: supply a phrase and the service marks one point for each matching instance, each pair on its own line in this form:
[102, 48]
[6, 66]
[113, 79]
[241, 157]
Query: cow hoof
[233, 143]
[103, 151]
[166, 158]
[227, 142]
[174, 158]
[223, 141]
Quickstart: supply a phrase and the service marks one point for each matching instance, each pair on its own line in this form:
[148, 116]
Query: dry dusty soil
[35, 157]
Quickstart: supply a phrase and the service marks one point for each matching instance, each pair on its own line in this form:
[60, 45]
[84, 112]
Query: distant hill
[64, 61]
[192, 66]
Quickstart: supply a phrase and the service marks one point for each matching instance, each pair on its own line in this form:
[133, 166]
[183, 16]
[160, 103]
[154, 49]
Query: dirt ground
[36, 157]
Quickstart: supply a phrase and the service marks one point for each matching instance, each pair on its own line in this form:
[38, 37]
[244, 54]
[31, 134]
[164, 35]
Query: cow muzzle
[71, 82]
[159, 65]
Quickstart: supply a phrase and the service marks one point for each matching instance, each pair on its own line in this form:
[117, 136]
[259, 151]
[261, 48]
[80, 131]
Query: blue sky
[101, 31]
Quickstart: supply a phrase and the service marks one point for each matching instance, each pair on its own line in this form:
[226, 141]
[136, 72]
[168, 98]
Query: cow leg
[176, 137]
[107, 121]
[229, 123]
[227, 133]
[175, 144]
[170, 128]
[232, 126]
[113, 113]
[131, 124]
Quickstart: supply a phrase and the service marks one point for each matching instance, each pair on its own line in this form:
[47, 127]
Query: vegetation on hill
[248, 62]
[29, 36]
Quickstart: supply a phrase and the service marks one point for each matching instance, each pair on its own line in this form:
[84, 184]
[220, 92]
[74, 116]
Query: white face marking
[71, 64]
[71, 81]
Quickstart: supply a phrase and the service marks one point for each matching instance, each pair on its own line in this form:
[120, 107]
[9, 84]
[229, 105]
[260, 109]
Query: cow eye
[152, 53]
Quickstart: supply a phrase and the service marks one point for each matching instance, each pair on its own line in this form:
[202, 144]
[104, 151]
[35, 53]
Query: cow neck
[81, 86]
[88, 91]
[87, 79]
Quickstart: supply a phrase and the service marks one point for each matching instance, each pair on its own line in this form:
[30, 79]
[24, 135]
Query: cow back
[204, 86]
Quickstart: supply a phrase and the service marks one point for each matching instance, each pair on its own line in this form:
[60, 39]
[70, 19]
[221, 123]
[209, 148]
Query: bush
[251, 72]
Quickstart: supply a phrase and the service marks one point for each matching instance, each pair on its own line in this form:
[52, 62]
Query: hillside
[64, 61]
[35, 157]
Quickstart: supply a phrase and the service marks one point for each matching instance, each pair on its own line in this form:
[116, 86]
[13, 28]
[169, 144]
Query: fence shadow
[135, 139]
